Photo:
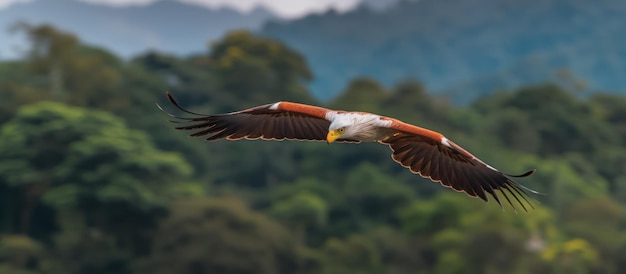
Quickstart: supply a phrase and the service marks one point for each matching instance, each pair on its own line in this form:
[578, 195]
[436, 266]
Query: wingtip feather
[170, 97]
[525, 174]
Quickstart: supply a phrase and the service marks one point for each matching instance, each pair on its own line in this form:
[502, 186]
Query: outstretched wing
[278, 121]
[432, 156]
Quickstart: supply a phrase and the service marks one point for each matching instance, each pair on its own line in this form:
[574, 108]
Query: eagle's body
[425, 152]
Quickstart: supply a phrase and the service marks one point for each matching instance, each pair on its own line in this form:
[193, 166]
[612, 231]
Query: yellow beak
[332, 136]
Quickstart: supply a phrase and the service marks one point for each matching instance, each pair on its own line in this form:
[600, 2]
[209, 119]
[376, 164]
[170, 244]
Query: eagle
[422, 151]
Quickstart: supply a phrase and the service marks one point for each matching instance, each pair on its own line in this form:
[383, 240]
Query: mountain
[165, 25]
[463, 48]
[379, 5]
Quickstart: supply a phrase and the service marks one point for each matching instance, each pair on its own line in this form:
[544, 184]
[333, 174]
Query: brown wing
[283, 120]
[432, 156]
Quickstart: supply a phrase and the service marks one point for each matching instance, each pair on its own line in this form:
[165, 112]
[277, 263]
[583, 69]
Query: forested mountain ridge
[166, 25]
[467, 48]
[463, 49]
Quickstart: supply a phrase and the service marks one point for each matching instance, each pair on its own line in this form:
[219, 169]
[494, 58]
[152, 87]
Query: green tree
[70, 71]
[410, 101]
[193, 80]
[598, 221]
[362, 94]
[377, 250]
[255, 69]
[467, 236]
[15, 90]
[68, 168]
[372, 195]
[573, 256]
[515, 130]
[565, 184]
[357, 254]
[50, 54]
[21, 255]
[557, 116]
[301, 211]
[220, 236]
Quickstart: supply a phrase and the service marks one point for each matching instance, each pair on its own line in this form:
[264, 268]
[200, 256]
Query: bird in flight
[425, 152]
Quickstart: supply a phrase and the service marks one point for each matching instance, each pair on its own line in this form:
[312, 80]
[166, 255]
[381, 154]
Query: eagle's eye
[341, 130]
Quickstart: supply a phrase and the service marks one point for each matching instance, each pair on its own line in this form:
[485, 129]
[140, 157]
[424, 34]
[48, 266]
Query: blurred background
[94, 180]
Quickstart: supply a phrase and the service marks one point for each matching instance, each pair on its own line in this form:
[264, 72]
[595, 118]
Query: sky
[282, 8]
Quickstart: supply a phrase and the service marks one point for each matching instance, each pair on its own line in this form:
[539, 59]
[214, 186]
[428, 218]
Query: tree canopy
[93, 179]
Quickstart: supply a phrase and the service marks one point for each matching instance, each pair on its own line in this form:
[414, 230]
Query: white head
[353, 125]
[339, 127]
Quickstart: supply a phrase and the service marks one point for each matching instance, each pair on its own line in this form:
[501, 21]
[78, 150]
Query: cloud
[119, 3]
[6, 3]
[282, 8]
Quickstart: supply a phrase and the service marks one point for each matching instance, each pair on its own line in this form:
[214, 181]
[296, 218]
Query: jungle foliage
[93, 179]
